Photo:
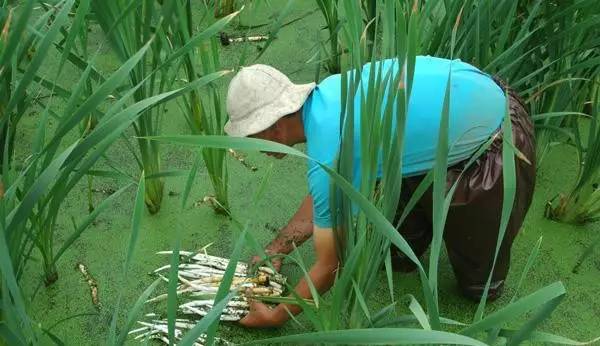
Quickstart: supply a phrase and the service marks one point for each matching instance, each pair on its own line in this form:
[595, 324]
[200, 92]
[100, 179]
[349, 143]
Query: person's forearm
[321, 275]
[297, 231]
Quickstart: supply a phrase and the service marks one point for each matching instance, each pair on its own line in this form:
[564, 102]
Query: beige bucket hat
[258, 96]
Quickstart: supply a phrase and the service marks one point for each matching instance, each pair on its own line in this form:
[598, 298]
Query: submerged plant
[582, 204]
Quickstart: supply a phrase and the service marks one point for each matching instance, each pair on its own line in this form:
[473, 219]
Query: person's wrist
[274, 249]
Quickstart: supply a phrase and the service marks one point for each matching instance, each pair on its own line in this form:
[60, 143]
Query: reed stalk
[36, 192]
[329, 10]
[206, 114]
[224, 8]
[582, 204]
[128, 27]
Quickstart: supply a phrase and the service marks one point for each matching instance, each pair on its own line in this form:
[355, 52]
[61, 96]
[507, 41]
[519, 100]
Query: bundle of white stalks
[157, 329]
[199, 278]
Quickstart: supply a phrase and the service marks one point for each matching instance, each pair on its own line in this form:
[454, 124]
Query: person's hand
[276, 262]
[261, 316]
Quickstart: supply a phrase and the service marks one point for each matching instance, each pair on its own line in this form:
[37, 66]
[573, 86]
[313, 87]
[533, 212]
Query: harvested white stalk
[91, 283]
[208, 260]
[158, 330]
[199, 267]
[209, 302]
[199, 277]
[241, 159]
[226, 40]
[179, 323]
[228, 314]
[211, 201]
[275, 285]
[266, 270]
[165, 295]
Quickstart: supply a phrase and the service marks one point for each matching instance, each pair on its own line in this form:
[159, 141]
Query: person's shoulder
[330, 82]
[327, 94]
[322, 119]
[432, 63]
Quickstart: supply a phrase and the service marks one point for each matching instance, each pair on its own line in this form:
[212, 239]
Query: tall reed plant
[177, 46]
[383, 100]
[60, 155]
[129, 26]
[206, 114]
[224, 8]
[23, 52]
[546, 50]
[329, 10]
[572, 55]
[16, 327]
[582, 204]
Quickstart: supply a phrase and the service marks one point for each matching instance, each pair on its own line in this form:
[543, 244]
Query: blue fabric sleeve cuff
[322, 222]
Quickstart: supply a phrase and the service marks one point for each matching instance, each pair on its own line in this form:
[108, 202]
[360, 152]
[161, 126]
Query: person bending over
[263, 103]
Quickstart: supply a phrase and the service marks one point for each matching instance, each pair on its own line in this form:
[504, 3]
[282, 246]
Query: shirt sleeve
[318, 185]
[321, 116]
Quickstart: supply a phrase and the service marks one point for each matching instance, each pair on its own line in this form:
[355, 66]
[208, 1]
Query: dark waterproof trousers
[473, 222]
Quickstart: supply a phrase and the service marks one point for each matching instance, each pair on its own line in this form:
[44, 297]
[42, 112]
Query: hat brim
[290, 101]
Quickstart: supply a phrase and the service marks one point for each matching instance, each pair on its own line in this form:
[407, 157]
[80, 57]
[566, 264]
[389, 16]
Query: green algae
[102, 247]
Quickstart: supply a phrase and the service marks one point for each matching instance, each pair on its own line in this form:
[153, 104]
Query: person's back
[477, 106]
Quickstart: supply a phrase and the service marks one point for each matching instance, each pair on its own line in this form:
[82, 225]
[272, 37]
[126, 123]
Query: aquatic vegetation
[170, 51]
[128, 28]
[34, 194]
[131, 26]
[223, 7]
[329, 9]
[544, 49]
[582, 204]
[206, 114]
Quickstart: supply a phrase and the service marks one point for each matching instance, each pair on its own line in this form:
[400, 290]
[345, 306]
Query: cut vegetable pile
[199, 276]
